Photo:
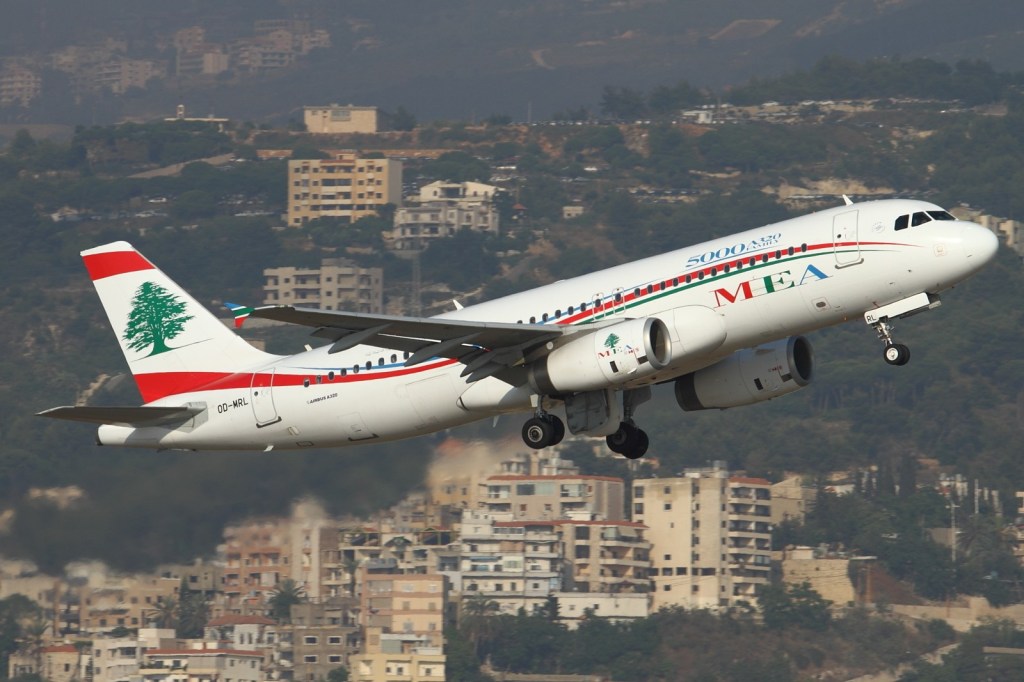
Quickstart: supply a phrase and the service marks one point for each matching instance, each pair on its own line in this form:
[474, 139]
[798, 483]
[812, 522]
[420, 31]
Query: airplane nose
[980, 244]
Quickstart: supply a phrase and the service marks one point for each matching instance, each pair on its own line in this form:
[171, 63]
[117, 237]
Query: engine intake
[748, 376]
[606, 357]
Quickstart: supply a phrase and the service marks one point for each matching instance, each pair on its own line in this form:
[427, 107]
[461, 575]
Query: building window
[311, 639]
[310, 658]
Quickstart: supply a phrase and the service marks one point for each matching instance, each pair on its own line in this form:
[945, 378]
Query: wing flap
[124, 416]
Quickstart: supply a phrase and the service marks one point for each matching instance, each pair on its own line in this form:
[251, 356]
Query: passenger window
[618, 298]
[940, 215]
[920, 218]
[355, 369]
[544, 317]
[902, 222]
[675, 281]
[558, 313]
[571, 310]
[369, 365]
[583, 306]
[330, 375]
[533, 319]
[688, 278]
[380, 362]
[637, 292]
[344, 371]
[394, 358]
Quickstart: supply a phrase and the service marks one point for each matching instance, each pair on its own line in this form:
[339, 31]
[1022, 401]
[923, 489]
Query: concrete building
[443, 208]
[319, 639]
[345, 187]
[606, 556]
[711, 536]
[517, 564]
[390, 657]
[338, 284]
[120, 74]
[127, 603]
[19, 85]
[405, 604]
[56, 663]
[201, 665]
[791, 500]
[336, 119]
[575, 607]
[554, 496]
[119, 659]
[840, 578]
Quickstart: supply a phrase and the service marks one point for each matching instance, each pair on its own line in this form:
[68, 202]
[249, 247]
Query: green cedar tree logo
[157, 316]
[612, 341]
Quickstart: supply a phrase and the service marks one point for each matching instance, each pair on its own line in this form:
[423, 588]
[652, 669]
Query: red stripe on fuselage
[102, 265]
[156, 385]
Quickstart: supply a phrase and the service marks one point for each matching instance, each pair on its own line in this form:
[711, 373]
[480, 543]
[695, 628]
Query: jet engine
[609, 356]
[748, 376]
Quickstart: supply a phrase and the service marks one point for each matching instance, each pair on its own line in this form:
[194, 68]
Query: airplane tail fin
[171, 342]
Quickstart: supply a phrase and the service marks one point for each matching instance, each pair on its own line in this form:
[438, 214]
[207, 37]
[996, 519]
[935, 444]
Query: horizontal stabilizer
[124, 416]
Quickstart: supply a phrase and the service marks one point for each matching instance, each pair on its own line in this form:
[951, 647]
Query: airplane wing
[124, 416]
[484, 347]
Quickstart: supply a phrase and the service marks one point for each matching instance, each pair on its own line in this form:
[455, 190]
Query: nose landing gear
[895, 353]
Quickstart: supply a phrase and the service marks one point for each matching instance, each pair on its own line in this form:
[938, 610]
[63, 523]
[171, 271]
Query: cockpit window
[940, 215]
[919, 218]
[902, 222]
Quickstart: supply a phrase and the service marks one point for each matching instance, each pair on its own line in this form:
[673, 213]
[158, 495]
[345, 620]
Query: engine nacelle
[748, 376]
[609, 356]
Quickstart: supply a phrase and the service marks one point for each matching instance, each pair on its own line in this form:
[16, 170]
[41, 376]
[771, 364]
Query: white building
[443, 208]
[575, 607]
[201, 665]
[514, 563]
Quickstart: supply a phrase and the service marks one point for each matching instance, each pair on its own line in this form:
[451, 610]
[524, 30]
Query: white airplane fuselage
[764, 284]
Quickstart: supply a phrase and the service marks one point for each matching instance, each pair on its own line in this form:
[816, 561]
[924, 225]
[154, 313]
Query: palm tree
[33, 639]
[287, 593]
[165, 614]
[477, 610]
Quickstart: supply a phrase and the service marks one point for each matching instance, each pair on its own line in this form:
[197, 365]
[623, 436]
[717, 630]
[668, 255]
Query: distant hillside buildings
[345, 187]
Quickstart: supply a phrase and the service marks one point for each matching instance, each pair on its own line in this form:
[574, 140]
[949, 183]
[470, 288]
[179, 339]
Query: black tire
[897, 354]
[537, 433]
[558, 430]
[638, 448]
[619, 441]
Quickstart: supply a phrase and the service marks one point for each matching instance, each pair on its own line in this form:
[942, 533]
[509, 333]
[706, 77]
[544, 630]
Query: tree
[157, 316]
[164, 615]
[794, 606]
[287, 594]
[339, 674]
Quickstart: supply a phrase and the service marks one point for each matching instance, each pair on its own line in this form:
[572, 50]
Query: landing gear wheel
[897, 354]
[629, 441]
[543, 431]
[537, 433]
[558, 429]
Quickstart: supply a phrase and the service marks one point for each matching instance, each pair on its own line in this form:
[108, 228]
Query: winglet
[847, 201]
[240, 312]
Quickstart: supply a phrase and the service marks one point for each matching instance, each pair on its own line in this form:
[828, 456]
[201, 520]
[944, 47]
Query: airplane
[723, 321]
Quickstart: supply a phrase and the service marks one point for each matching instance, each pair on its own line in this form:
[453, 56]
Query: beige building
[337, 119]
[338, 284]
[320, 638]
[711, 536]
[390, 657]
[791, 500]
[843, 580]
[405, 604]
[57, 663]
[606, 556]
[574, 607]
[345, 187]
[127, 603]
[537, 498]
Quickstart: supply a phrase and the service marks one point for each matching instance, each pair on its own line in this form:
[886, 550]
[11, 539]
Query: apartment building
[126, 603]
[201, 665]
[711, 536]
[346, 187]
[336, 119]
[390, 656]
[319, 639]
[517, 564]
[554, 496]
[405, 604]
[19, 85]
[575, 607]
[119, 659]
[441, 209]
[606, 556]
[338, 284]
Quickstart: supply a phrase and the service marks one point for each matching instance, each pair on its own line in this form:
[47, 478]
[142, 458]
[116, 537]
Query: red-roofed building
[57, 663]
[710, 536]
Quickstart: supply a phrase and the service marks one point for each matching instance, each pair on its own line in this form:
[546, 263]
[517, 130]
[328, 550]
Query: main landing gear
[630, 441]
[895, 353]
[543, 431]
